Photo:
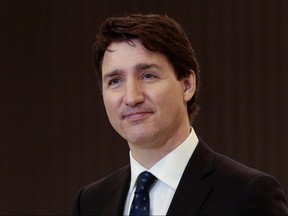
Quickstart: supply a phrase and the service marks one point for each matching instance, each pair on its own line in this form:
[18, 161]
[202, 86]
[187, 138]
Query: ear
[189, 84]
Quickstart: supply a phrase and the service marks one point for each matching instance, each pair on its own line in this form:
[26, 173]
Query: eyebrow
[139, 67]
[112, 74]
[145, 66]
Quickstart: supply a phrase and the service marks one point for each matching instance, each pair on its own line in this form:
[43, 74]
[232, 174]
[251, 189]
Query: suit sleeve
[263, 196]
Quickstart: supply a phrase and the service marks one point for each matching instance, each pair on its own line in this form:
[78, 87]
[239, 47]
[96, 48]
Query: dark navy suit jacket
[212, 184]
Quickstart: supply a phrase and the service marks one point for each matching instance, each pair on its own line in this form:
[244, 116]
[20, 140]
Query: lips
[135, 116]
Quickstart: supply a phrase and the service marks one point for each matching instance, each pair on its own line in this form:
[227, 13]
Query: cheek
[110, 105]
[170, 92]
[171, 100]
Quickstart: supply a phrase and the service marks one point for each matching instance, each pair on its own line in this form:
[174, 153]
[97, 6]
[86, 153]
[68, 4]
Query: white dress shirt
[168, 171]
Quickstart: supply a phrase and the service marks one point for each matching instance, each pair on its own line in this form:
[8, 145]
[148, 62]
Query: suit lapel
[118, 193]
[195, 185]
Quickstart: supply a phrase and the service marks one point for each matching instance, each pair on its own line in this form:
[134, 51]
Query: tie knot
[144, 182]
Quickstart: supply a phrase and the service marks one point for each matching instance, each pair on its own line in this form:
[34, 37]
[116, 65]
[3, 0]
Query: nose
[133, 93]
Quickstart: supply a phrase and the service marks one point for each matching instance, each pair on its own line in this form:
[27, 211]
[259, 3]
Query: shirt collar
[169, 169]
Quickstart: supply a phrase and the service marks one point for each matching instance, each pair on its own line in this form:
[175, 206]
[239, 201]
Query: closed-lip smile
[134, 116]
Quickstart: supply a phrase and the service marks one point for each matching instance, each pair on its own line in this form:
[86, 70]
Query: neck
[149, 154]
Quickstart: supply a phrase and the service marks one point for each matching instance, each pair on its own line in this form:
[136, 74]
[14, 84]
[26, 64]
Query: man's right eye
[113, 82]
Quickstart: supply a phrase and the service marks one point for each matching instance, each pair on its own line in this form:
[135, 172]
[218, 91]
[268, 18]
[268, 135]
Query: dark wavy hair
[157, 33]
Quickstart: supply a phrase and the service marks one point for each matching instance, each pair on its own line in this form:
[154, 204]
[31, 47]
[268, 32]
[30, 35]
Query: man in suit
[149, 78]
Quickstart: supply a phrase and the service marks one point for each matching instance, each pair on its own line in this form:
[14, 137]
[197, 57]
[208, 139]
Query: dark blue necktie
[140, 203]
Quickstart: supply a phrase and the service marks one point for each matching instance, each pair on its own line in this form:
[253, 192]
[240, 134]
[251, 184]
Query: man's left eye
[148, 76]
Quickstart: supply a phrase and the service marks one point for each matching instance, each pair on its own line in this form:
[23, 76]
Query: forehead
[123, 55]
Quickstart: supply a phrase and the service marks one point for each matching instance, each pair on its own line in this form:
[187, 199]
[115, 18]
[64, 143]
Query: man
[149, 78]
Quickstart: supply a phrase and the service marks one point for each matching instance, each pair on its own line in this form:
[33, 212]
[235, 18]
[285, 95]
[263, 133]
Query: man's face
[144, 101]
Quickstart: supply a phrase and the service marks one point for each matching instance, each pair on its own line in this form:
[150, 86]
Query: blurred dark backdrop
[54, 133]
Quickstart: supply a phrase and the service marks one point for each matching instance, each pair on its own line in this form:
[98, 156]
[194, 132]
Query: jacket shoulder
[242, 189]
[105, 196]
[105, 183]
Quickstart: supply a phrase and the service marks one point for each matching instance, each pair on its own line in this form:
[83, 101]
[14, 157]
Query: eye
[148, 76]
[114, 81]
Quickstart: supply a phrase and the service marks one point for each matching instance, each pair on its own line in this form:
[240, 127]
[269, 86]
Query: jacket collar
[195, 184]
[119, 192]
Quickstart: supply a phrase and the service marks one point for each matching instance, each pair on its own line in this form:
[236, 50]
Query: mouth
[136, 116]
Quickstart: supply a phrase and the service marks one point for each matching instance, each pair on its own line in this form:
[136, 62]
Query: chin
[140, 137]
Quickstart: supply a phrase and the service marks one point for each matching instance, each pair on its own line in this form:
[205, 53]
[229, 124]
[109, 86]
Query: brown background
[54, 134]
